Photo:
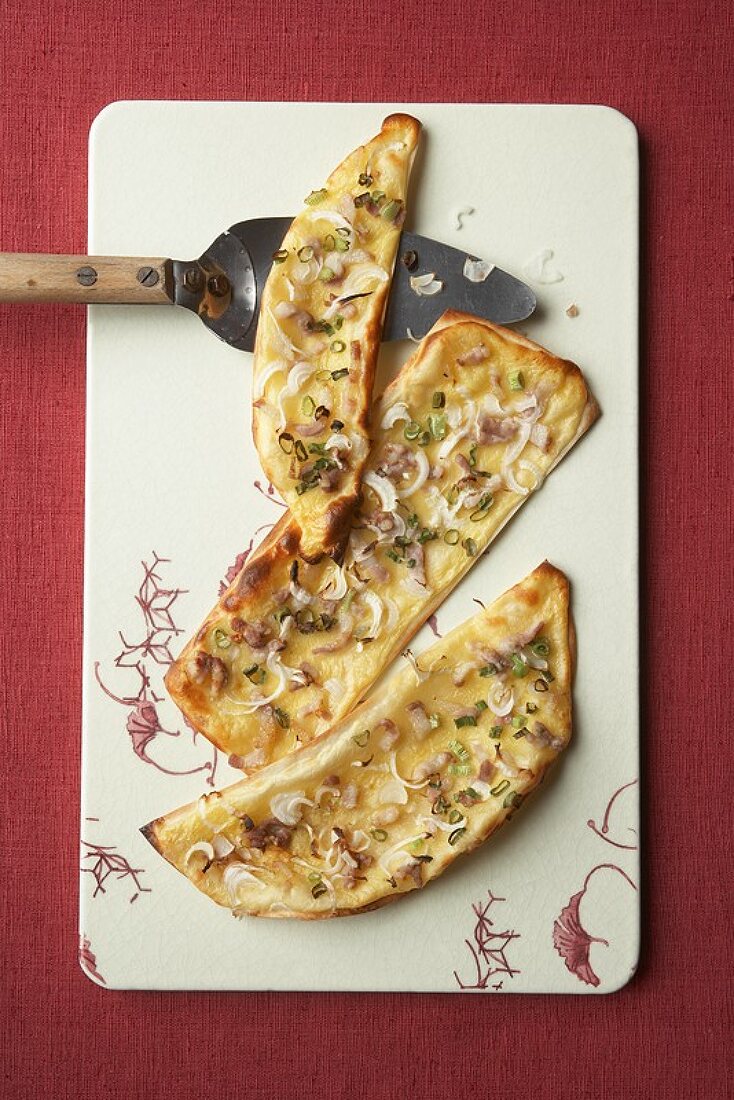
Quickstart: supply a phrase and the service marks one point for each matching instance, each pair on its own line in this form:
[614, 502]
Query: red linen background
[668, 66]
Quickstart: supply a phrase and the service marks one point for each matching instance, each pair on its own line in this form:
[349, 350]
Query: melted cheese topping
[318, 336]
[388, 798]
[292, 656]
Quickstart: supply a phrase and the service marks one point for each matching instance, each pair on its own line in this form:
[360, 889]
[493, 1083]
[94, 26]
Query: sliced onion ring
[476, 271]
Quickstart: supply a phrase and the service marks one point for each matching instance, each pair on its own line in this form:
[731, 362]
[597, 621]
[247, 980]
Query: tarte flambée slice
[471, 426]
[419, 774]
[319, 334]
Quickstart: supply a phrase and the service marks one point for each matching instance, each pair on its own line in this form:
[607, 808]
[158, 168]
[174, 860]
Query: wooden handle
[128, 280]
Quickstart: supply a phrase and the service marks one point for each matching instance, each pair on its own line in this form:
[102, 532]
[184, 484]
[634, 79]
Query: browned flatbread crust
[369, 239]
[254, 738]
[479, 773]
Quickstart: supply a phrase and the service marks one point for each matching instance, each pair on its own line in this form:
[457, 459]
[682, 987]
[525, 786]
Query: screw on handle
[126, 280]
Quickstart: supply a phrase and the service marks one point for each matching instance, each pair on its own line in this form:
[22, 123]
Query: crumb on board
[572, 310]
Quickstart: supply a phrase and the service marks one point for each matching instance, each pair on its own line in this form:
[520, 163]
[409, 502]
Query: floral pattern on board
[489, 949]
[571, 939]
[88, 961]
[104, 862]
[148, 658]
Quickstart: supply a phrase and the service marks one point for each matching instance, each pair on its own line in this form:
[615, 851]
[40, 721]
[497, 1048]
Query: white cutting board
[169, 451]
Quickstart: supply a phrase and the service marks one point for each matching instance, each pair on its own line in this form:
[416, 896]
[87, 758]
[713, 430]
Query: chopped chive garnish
[393, 556]
[439, 399]
[541, 647]
[285, 441]
[480, 704]
[341, 373]
[495, 732]
[318, 890]
[306, 253]
[255, 674]
[338, 346]
[482, 508]
[280, 256]
[502, 786]
[326, 275]
[378, 834]
[473, 455]
[472, 793]
[282, 717]
[519, 667]
[336, 425]
[314, 876]
[465, 720]
[321, 412]
[459, 750]
[455, 816]
[470, 546]
[300, 450]
[531, 708]
[341, 244]
[362, 738]
[515, 380]
[424, 439]
[365, 179]
[410, 260]
[460, 769]
[435, 721]
[308, 405]
[378, 197]
[548, 675]
[488, 670]
[391, 210]
[427, 536]
[512, 799]
[361, 200]
[437, 425]
[518, 721]
[451, 537]
[540, 685]
[412, 430]
[315, 197]
[456, 836]
[329, 242]
[221, 639]
[342, 231]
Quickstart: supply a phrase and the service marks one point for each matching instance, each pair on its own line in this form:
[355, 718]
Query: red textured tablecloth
[666, 65]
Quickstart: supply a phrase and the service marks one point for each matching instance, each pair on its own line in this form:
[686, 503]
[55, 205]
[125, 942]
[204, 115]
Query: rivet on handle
[87, 276]
[147, 276]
